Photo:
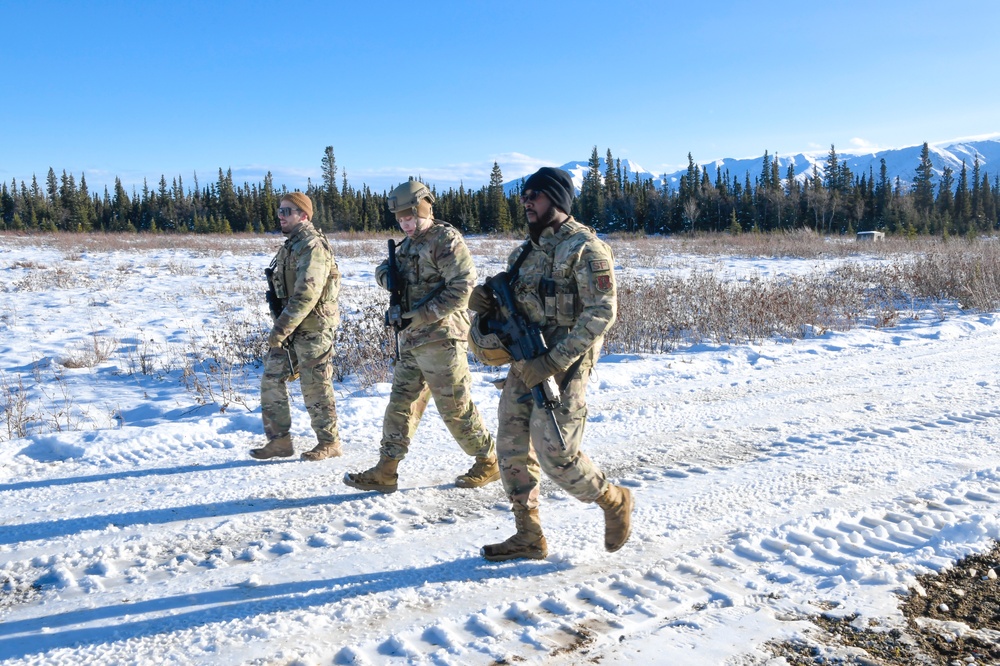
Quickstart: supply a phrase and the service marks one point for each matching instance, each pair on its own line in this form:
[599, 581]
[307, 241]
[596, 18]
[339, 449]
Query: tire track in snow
[590, 605]
[749, 571]
[383, 518]
[594, 604]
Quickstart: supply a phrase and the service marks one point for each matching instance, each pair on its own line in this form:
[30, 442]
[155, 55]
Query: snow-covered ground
[772, 482]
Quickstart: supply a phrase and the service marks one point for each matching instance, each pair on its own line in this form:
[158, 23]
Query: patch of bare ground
[952, 619]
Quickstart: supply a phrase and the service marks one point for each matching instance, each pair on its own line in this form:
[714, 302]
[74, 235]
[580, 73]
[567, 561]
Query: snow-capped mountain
[900, 162]
[579, 169]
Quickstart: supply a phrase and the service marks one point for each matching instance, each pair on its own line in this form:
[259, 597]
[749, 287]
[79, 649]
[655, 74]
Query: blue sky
[441, 90]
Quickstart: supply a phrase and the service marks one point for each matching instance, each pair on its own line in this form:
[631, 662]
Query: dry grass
[98, 350]
[658, 251]
[655, 314]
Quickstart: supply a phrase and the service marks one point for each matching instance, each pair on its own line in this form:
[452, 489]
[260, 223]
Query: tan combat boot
[323, 450]
[617, 504]
[483, 471]
[279, 447]
[382, 477]
[528, 543]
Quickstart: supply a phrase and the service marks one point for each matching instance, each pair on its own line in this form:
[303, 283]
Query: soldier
[306, 281]
[562, 279]
[438, 275]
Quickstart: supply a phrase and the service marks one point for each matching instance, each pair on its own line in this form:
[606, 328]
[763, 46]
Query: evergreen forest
[835, 201]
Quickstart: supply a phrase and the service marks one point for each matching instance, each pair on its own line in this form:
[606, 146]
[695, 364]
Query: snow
[772, 481]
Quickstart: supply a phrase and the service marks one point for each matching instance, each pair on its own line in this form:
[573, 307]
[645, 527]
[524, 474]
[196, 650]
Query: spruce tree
[963, 202]
[945, 200]
[612, 186]
[331, 196]
[591, 201]
[923, 183]
[977, 200]
[7, 210]
[497, 214]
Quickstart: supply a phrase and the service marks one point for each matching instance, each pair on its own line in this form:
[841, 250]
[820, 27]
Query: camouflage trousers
[439, 369]
[311, 355]
[527, 443]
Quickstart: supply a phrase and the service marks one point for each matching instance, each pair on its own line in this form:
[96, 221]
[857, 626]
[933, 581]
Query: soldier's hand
[274, 339]
[417, 317]
[537, 370]
[382, 277]
[481, 300]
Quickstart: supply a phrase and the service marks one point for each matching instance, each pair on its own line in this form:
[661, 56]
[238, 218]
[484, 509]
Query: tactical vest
[546, 288]
[417, 282]
[325, 314]
[420, 263]
[548, 291]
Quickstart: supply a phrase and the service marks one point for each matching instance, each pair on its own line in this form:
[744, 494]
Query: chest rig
[546, 288]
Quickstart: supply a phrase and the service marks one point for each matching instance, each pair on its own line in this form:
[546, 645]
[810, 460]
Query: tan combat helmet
[411, 194]
[485, 346]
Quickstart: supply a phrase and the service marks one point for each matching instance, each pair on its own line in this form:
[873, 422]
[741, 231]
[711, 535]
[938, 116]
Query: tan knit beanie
[301, 201]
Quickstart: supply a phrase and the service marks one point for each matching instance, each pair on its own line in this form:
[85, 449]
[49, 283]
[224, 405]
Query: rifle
[273, 302]
[393, 316]
[274, 305]
[525, 342]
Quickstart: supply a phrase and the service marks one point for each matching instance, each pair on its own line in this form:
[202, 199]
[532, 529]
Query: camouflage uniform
[438, 275]
[565, 285]
[307, 281]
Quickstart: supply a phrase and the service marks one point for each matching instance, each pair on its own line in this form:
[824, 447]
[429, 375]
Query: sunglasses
[285, 211]
[530, 196]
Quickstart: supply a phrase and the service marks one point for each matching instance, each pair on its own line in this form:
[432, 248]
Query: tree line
[834, 201]
[612, 200]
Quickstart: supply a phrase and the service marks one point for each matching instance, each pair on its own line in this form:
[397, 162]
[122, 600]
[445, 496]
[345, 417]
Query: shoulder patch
[603, 283]
[599, 265]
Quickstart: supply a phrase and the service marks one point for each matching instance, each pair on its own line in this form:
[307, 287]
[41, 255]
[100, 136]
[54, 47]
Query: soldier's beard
[536, 228]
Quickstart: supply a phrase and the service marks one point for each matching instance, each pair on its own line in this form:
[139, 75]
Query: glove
[274, 338]
[481, 300]
[417, 317]
[537, 370]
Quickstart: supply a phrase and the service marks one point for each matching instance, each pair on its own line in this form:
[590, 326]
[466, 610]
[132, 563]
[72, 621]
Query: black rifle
[393, 316]
[274, 305]
[273, 302]
[525, 342]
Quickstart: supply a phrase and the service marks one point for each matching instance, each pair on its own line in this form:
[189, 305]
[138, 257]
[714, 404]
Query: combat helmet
[411, 194]
[486, 346]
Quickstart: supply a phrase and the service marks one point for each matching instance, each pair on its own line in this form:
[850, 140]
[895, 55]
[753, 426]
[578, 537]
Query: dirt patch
[953, 619]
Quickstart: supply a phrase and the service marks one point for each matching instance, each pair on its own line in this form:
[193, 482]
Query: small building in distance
[871, 236]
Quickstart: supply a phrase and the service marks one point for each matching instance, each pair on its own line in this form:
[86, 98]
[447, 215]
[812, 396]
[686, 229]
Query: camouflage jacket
[307, 281]
[438, 276]
[566, 285]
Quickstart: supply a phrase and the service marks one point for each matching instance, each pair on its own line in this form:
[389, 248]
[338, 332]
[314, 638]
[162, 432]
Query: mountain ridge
[900, 163]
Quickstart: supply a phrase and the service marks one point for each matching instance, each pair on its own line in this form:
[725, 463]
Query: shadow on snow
[20, 638]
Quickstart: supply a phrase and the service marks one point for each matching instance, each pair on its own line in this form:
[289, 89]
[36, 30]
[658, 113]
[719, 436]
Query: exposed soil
[953, 619]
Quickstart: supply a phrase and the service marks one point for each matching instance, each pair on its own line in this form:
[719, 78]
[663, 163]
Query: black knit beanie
[556, 184]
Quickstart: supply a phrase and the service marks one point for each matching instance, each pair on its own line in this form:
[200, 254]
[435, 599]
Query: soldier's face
[411, 224]
[289, 216]
[538, 207]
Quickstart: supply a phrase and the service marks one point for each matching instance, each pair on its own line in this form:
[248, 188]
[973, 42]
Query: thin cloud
[470, 174]
[863, 146]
